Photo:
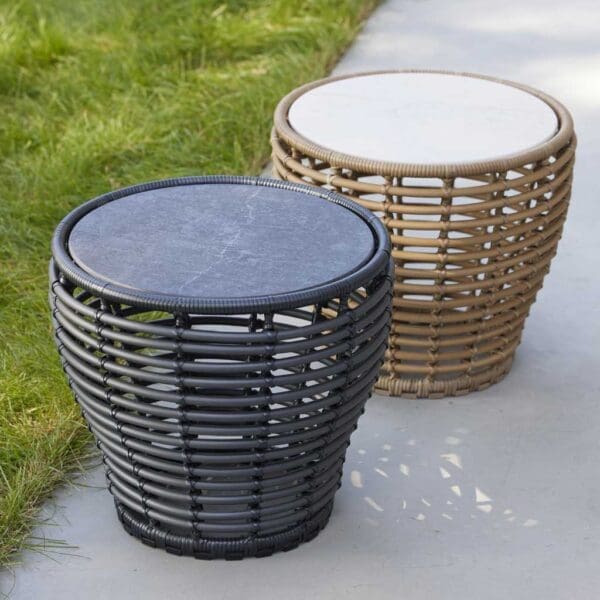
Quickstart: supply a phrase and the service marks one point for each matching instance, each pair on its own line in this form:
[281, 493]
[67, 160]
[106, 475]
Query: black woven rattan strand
[221, 336]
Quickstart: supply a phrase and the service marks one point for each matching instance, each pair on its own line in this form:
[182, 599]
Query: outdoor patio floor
[491, 496]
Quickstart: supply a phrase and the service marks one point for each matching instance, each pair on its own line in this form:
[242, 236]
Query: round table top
[220, 241]
[422, 118]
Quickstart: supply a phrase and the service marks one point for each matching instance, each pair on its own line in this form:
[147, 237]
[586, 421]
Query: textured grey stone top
[220, 240]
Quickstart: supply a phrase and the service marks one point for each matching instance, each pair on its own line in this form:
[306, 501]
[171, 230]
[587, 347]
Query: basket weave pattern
[223, 434]
[243, 452]
[471, 242]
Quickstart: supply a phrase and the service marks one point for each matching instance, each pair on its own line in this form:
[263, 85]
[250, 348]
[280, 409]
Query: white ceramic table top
[425, 118]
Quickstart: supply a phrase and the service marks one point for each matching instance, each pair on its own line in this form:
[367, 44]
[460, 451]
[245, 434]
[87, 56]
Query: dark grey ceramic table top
[220, 240]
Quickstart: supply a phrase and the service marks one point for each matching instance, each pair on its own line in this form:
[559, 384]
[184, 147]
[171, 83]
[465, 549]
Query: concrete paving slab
[492, 495]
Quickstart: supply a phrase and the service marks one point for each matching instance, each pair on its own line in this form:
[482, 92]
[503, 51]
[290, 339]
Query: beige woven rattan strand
[472, 243]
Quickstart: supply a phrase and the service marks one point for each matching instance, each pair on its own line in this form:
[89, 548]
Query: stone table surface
[424, 118]
[220, 241]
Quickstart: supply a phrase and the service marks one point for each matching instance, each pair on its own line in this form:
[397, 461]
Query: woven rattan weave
[472, 243]
[223, 421]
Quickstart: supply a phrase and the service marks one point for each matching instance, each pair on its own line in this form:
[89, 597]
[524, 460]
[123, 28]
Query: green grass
[100, 94]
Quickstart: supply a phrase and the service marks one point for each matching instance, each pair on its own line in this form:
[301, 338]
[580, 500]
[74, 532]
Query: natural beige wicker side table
[472, 177]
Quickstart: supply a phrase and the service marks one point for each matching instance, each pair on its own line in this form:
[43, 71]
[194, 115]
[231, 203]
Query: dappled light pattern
[426, 487]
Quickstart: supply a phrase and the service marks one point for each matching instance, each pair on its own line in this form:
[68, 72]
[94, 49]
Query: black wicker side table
[221, 336]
